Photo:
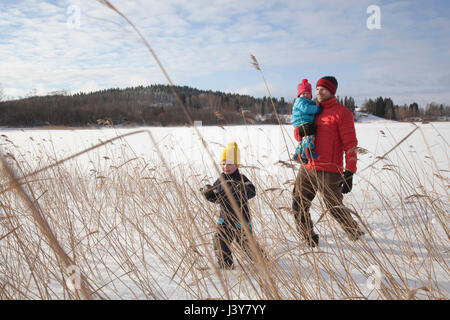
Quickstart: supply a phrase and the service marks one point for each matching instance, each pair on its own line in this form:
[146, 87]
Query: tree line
[150, 105]
[386, 108]
[157, 105]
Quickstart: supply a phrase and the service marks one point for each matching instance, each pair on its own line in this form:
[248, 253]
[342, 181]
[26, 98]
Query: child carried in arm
[303, 112]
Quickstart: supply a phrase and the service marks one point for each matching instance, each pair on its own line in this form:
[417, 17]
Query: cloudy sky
[81, 45]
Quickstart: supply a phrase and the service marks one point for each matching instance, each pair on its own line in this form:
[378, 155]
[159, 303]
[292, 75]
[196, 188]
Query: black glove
[347, 182]
[307, 129]
[207, 190]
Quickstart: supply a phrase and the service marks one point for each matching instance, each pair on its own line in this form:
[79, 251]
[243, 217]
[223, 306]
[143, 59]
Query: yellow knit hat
[230, 153]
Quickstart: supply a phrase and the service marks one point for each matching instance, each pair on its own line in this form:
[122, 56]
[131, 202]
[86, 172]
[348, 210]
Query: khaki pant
[307, 183]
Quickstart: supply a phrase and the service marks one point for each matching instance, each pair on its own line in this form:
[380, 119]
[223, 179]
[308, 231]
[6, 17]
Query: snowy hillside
[366, 117]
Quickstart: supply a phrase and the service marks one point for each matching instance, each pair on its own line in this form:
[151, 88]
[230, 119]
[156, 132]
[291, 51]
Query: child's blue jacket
[303, 111]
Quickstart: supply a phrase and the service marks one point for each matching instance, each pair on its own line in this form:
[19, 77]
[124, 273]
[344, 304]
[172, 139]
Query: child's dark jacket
[242, 190]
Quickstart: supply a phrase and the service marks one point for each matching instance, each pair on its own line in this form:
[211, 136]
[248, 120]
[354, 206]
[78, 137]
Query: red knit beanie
[304, 86]
[329, 83]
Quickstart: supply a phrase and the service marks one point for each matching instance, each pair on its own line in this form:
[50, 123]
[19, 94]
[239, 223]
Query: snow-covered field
[131, 219]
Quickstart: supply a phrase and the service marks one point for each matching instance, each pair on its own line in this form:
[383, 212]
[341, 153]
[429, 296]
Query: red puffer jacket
[335, 136]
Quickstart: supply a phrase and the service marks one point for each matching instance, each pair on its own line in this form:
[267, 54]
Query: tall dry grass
[135, 228]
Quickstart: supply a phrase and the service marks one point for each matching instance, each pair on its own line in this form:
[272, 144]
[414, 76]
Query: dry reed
[138, 228]
[132, 230]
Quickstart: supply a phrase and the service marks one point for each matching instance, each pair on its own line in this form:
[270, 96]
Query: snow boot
[312, 241]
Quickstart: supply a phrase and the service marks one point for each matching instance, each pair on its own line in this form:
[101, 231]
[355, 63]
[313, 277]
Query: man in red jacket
[335, 137]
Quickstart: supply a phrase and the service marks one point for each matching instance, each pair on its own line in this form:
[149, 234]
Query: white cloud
[89, 86]
[206, 38]
[258, 90]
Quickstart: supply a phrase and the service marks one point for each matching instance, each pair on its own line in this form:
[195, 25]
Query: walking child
[303, 113]
[230, 223]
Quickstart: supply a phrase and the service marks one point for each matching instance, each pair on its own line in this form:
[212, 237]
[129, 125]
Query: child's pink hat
[304, 86]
